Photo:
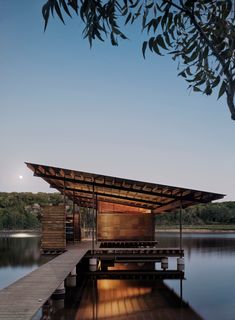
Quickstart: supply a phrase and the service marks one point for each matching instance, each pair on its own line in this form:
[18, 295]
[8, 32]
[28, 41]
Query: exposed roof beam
[109, 195]
[171, 206]
[157, 194]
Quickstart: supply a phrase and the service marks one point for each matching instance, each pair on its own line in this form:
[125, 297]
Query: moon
[20, 177]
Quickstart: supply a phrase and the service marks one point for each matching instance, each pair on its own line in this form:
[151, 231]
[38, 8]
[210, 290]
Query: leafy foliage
[210, 214]
[199, 34]
[23, 210]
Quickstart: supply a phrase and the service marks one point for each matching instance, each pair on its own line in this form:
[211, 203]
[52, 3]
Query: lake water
[209, 287]
[19, 255]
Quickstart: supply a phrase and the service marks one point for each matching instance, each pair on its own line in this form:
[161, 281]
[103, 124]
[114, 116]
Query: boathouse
[123, 209]
[123, 246]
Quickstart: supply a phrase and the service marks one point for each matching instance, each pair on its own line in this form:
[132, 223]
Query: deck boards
[22, 299]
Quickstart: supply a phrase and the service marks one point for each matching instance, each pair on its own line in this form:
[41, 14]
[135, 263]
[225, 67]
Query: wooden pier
[22, 299]
[123, 213]
[134, 255]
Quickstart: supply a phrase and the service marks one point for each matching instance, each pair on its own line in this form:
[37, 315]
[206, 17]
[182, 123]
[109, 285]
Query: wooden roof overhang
[82, 186]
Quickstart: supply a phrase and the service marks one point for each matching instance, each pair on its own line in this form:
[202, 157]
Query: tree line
[23, 211]
[202, 214]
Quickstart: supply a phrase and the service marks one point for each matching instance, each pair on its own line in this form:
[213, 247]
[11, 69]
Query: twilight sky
[105, 110]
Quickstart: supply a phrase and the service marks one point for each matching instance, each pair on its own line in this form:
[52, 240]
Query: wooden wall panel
[77, 228]
[125, 226]
[107, 207]
[53, 228]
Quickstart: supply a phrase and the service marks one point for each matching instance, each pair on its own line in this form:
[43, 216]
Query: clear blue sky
[105, 110]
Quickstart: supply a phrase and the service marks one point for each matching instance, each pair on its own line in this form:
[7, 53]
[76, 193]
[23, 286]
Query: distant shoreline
[196, 230]
[185, 229]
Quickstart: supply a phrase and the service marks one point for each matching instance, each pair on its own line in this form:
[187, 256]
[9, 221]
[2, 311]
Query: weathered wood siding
[77, 228]
[107, 207]
[125, 226]
[53, 228]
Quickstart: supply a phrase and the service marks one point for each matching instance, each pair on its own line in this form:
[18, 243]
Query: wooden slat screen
[53, 228]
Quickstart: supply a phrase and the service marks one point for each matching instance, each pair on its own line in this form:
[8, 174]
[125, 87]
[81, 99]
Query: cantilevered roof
[83, 186]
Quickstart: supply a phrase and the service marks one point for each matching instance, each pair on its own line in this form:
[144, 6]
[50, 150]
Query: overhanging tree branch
[171, 26]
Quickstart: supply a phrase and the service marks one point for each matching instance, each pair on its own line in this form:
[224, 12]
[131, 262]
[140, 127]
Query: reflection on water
[205, 242]
[23, 235]
[208, 288]
[209, 270]
[19, 251]
[119, 299]
[19, 255]
[122, 299]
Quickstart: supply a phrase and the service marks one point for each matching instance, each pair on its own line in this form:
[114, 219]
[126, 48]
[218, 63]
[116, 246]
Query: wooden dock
[134, 255]
[22, 299]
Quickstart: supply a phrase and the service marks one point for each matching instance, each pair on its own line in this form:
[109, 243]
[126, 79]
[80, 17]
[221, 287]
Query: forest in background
[23, 211]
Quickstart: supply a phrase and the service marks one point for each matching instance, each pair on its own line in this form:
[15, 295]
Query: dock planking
[22, 299]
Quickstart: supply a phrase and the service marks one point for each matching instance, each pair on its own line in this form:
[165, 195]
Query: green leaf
[182, 74]
[45, 14]
[151, 43]
[161, 42]
[191, 47]
[170, 17]
[155, 48]
[196, 89]
[205, 52]
[192, 57]
[208, 90]
[144, 46]
[113, 40]
[216, 82]
[188, 71]
[65, 7]
[128, 18]
[167, 39]
[222, 89]
[58, 11]
[134, 4]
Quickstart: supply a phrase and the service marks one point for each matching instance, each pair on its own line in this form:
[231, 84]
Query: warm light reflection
[132, 266]
[115, 298]
[23, 235]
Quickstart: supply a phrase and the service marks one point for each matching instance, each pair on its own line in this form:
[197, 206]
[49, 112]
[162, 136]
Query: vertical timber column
[96, 213]
[73, 217]
[181, 226]
[180, 260]
[93, 219]
[93, 260]
[65, 213]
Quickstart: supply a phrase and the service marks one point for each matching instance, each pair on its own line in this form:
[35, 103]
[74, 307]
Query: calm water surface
[19, 255]
[209, 287]
[210, 273]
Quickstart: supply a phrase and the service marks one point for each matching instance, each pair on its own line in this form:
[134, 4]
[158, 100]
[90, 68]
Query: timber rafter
[159, 198]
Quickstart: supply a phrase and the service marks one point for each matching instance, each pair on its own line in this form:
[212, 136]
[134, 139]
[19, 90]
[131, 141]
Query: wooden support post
[64, 195]
[65, 213]
[181, 227]
[73, 217]
[96, 224]
[181, 291]
[93, 219]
